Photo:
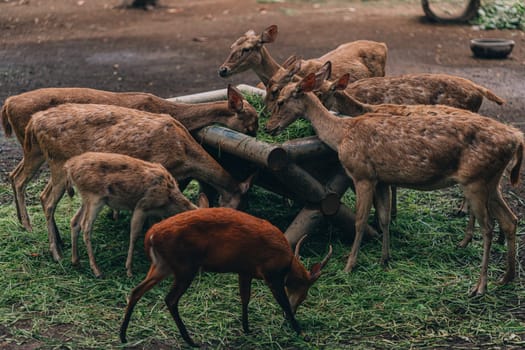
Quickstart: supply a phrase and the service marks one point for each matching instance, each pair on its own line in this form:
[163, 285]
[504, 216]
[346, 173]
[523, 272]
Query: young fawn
[60, 133]
[122, 183]
[223, 240]
[420, 152]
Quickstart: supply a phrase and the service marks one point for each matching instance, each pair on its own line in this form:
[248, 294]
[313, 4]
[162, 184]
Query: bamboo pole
[215, 95]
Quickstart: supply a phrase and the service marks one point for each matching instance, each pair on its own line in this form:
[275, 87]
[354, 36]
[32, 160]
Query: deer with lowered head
[60, 133]
[235, 113]
[409, 89]
[361, 59]
[419, 152]
[224, 240]
[334, 93]
[122, 183]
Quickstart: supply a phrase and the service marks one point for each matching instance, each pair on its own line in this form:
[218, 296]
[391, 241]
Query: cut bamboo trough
[304, 170]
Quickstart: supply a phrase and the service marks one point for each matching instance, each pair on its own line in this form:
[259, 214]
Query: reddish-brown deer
[419, 152]
[236, 113]
[122, 183]
[223, 240]
[362, 58]
[68, 130]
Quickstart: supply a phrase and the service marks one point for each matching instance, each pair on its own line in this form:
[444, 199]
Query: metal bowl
[491, 48]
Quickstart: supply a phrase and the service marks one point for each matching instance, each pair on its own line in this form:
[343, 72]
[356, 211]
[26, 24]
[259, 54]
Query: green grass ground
[419, 301]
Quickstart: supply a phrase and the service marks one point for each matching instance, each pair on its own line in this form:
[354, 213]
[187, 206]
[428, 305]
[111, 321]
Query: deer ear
[342, 82]
[235, 99]
[269, 34]
[246, 184]
[290, 61]
[315, 272]
[307, 84]
[203, 201]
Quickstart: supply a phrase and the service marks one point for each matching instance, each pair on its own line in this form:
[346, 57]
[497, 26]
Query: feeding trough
[304, 170]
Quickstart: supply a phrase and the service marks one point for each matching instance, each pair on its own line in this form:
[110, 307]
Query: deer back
[125, 181]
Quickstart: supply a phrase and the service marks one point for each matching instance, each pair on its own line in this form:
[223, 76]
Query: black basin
[491, 48]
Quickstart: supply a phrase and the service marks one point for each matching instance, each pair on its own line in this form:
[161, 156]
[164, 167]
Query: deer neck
[348, 105]
[267, 68]
[197, 115]
[298, 274]
[329, 128]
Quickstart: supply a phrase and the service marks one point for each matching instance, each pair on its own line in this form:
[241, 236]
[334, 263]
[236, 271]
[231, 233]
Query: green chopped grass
[419, 301]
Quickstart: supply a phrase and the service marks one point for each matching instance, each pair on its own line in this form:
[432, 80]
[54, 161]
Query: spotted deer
[235, 113]
[122, 183]
[361, 59]
[60, 133]
[418, 152]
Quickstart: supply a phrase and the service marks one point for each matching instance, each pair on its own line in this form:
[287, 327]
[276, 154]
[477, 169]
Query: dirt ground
[177, 48]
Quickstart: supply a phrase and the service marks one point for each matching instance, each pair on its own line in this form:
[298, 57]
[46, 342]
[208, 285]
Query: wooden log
[246, 147]
[308, 188]
[304, 223]
[306, 148]
[345, 218]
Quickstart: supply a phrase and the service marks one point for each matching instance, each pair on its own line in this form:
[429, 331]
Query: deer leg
[154, 276]
[11, 176]
[469, 231]
[507, 224]
[137, 224]
[393, 205]
[20, 177]
[88, 218]
[245, 286]
[75, 231]
[181, 284]
[364, 197]
[383, 201]
[477, 196]
[49, 198]
[276, 284]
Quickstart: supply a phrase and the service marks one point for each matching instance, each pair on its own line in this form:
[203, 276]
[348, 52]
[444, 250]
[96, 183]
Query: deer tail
[4, 115]
[30, 140]
[490, 95]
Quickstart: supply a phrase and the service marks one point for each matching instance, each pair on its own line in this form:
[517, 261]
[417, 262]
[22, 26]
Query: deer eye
[245, 50]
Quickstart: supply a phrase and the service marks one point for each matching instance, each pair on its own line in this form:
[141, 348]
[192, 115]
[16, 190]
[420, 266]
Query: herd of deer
[128, 150]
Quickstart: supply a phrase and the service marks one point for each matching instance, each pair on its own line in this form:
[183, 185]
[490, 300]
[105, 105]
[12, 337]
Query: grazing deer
[409, 89]
[122, 183]
[419, 152]
[60, 133]
[236, 113]
[223, 240]
[362, 58]
[334, 94]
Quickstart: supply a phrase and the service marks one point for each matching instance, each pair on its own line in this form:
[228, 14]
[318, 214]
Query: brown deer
[409, 89]
[60, 133]
[122, 183]
[419, 152]
[236, 113]
[224, 240]
[362, 58]
[335, 96]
